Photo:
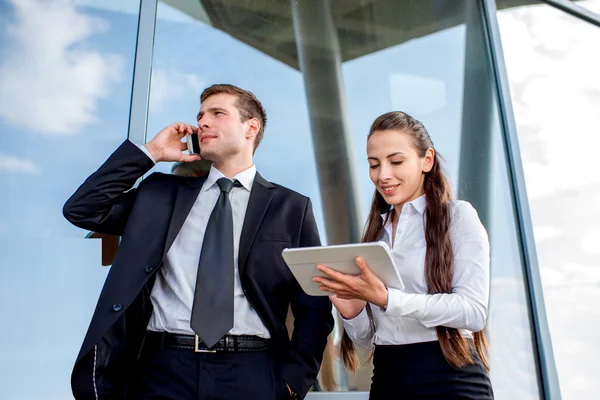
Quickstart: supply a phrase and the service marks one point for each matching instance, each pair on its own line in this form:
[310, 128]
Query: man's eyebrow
[213, 109]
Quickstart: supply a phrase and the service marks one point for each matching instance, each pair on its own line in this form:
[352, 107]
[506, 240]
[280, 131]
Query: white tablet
[303, 263]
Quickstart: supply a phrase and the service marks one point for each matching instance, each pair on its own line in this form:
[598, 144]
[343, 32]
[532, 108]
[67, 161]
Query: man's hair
[247, 104]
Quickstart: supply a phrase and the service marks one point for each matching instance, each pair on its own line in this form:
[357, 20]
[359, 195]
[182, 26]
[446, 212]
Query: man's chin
[208, 155]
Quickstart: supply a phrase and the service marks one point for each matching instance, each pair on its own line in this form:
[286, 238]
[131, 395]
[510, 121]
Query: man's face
[221, 132]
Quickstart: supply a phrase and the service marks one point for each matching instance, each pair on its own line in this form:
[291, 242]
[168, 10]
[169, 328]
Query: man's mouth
[205, 138]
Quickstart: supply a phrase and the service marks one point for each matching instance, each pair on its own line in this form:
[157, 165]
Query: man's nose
[203, 122]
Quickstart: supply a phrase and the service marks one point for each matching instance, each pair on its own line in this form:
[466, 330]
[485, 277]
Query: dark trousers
[180, 374]
[420, 371]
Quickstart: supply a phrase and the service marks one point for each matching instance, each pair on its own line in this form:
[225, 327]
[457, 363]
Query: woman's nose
[385, 173]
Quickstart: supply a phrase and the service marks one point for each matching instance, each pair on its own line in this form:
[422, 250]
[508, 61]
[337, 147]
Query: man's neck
[231, 169]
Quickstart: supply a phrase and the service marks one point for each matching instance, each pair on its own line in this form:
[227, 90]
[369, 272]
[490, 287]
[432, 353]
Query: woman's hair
[439, 258]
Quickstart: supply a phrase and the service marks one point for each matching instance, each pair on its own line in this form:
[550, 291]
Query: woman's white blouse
[411, 314]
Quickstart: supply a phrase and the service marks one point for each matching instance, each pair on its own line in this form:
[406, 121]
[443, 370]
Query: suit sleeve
[103, 202]
[313, 322]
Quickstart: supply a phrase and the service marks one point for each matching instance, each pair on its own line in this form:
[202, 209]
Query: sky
[65, 87]
[553, 62]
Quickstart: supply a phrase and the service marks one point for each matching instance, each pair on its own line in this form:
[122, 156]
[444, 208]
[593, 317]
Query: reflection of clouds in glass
[574, 336]
[511, 370]
[44, 276]
[171, 85]
[18, 165]
[545, 232]
[590, 242]
[553, 61]
[50, 80]
[571, 274]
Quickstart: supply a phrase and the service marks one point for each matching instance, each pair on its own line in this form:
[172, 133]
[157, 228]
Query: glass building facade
[507, 89]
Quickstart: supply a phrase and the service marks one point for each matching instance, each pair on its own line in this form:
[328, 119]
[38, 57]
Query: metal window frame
[142, 72]
[545, 355]
[575, 10]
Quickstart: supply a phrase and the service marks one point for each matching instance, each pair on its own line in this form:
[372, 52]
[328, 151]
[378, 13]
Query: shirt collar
[246, 177]
[417, 205]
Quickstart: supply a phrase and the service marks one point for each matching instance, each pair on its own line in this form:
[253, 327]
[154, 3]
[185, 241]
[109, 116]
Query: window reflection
[552, 63]
[65, 87]
[324, 70]
[65, 83]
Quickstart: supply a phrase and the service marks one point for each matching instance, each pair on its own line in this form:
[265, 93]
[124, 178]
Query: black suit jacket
[148, 219]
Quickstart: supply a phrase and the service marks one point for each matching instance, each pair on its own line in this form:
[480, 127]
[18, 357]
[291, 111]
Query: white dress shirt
[173, 292]
[412, 314]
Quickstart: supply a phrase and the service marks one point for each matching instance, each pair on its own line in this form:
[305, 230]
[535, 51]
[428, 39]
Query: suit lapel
[187, 193]
[260, 198]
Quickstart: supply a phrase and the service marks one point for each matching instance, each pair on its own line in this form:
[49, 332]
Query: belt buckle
[229, 343]
[197, 350]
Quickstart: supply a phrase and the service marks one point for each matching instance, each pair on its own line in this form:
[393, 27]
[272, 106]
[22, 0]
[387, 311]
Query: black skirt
[420, 371]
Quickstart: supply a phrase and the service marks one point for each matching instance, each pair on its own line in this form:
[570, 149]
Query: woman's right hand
[349, 308]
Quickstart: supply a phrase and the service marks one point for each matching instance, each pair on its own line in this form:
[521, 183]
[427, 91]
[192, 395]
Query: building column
[320, 62]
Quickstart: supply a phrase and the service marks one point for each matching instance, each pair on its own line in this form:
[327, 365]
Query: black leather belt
[229, 343]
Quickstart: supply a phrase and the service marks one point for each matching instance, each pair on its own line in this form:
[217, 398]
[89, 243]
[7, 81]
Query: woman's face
[395, 167]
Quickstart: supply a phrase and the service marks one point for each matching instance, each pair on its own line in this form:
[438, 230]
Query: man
[194, 306]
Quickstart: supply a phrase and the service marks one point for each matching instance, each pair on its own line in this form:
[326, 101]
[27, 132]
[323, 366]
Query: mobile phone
[193, 144]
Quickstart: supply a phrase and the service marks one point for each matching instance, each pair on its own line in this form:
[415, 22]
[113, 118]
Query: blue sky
[65, 85]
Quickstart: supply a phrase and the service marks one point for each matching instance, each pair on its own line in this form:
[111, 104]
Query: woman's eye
[397, 162]
[373, 166]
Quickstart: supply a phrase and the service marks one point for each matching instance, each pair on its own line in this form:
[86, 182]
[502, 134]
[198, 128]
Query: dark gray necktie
[212, 312]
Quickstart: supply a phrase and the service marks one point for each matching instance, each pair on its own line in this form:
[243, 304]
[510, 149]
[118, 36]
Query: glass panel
[206, 55]
[324, 70]
[443, 78]
[553, 61]
[65, 88]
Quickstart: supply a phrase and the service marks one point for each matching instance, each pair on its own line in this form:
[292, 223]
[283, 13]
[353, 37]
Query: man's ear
[428, 160]
[252, 128]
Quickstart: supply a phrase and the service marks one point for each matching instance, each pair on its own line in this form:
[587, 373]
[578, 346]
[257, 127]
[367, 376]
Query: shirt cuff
[396, 300]
[145, 150]
[358, 321]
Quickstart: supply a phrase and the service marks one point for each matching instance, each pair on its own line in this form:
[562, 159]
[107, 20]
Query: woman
[429, 340]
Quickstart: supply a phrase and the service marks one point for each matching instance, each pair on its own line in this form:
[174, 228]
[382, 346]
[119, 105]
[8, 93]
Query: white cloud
[512, 363]
[545, 232]
[14, 164]
[574, 327]
[590, 242]
[553, 61]
[171, 85]
[50, 80]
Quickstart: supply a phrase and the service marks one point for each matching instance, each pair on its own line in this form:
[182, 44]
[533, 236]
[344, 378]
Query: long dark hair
[439, 258]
